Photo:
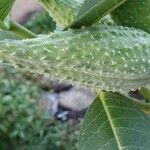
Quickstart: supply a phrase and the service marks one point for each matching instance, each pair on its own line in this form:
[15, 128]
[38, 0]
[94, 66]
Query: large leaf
[65, 11]
[114, 122]
[93, 10]
[110, 58]
[5, 7]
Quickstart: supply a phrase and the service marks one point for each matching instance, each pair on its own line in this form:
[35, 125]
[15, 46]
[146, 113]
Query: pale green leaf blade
[92, 11]
[62, 11]
[5, 7]
[109, 58]
[65, 11]
[114, 122]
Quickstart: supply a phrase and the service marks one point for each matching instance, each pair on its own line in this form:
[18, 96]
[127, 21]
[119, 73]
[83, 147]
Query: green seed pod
[106, 57]
[133, 13]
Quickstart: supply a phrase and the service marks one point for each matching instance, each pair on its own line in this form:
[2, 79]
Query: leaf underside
[114, 122]
[107, 58]
[62, 11]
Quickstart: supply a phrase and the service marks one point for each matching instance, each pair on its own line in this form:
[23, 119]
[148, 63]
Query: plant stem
[3, 26]
[17, 29]
[144, 106]
[20, 30]
[146, 93]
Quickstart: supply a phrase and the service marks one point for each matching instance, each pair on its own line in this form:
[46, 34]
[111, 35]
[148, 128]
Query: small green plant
[108, 58]
[24, 125]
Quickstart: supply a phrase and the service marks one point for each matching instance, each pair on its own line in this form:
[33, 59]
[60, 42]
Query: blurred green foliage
[41, 23]
[23, 125]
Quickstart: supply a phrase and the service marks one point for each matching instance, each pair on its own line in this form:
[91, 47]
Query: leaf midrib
[102, 98]
[80, 17]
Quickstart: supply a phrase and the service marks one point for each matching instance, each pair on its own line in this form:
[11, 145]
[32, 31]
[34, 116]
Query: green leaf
[5, 7]
[114, 122]
[70, 10]
[62, 11]
[92, 11]
[108, 58]
[133, 13]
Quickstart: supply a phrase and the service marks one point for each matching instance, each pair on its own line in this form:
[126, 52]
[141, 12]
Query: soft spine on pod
[109, 58]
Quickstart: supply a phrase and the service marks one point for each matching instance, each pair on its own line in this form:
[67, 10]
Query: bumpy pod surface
[109, 58]
[8, 35]
[134, 13]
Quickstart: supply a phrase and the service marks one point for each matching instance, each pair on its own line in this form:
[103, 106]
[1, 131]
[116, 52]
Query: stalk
[17, 29]
[144, 106]
[20, 30]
